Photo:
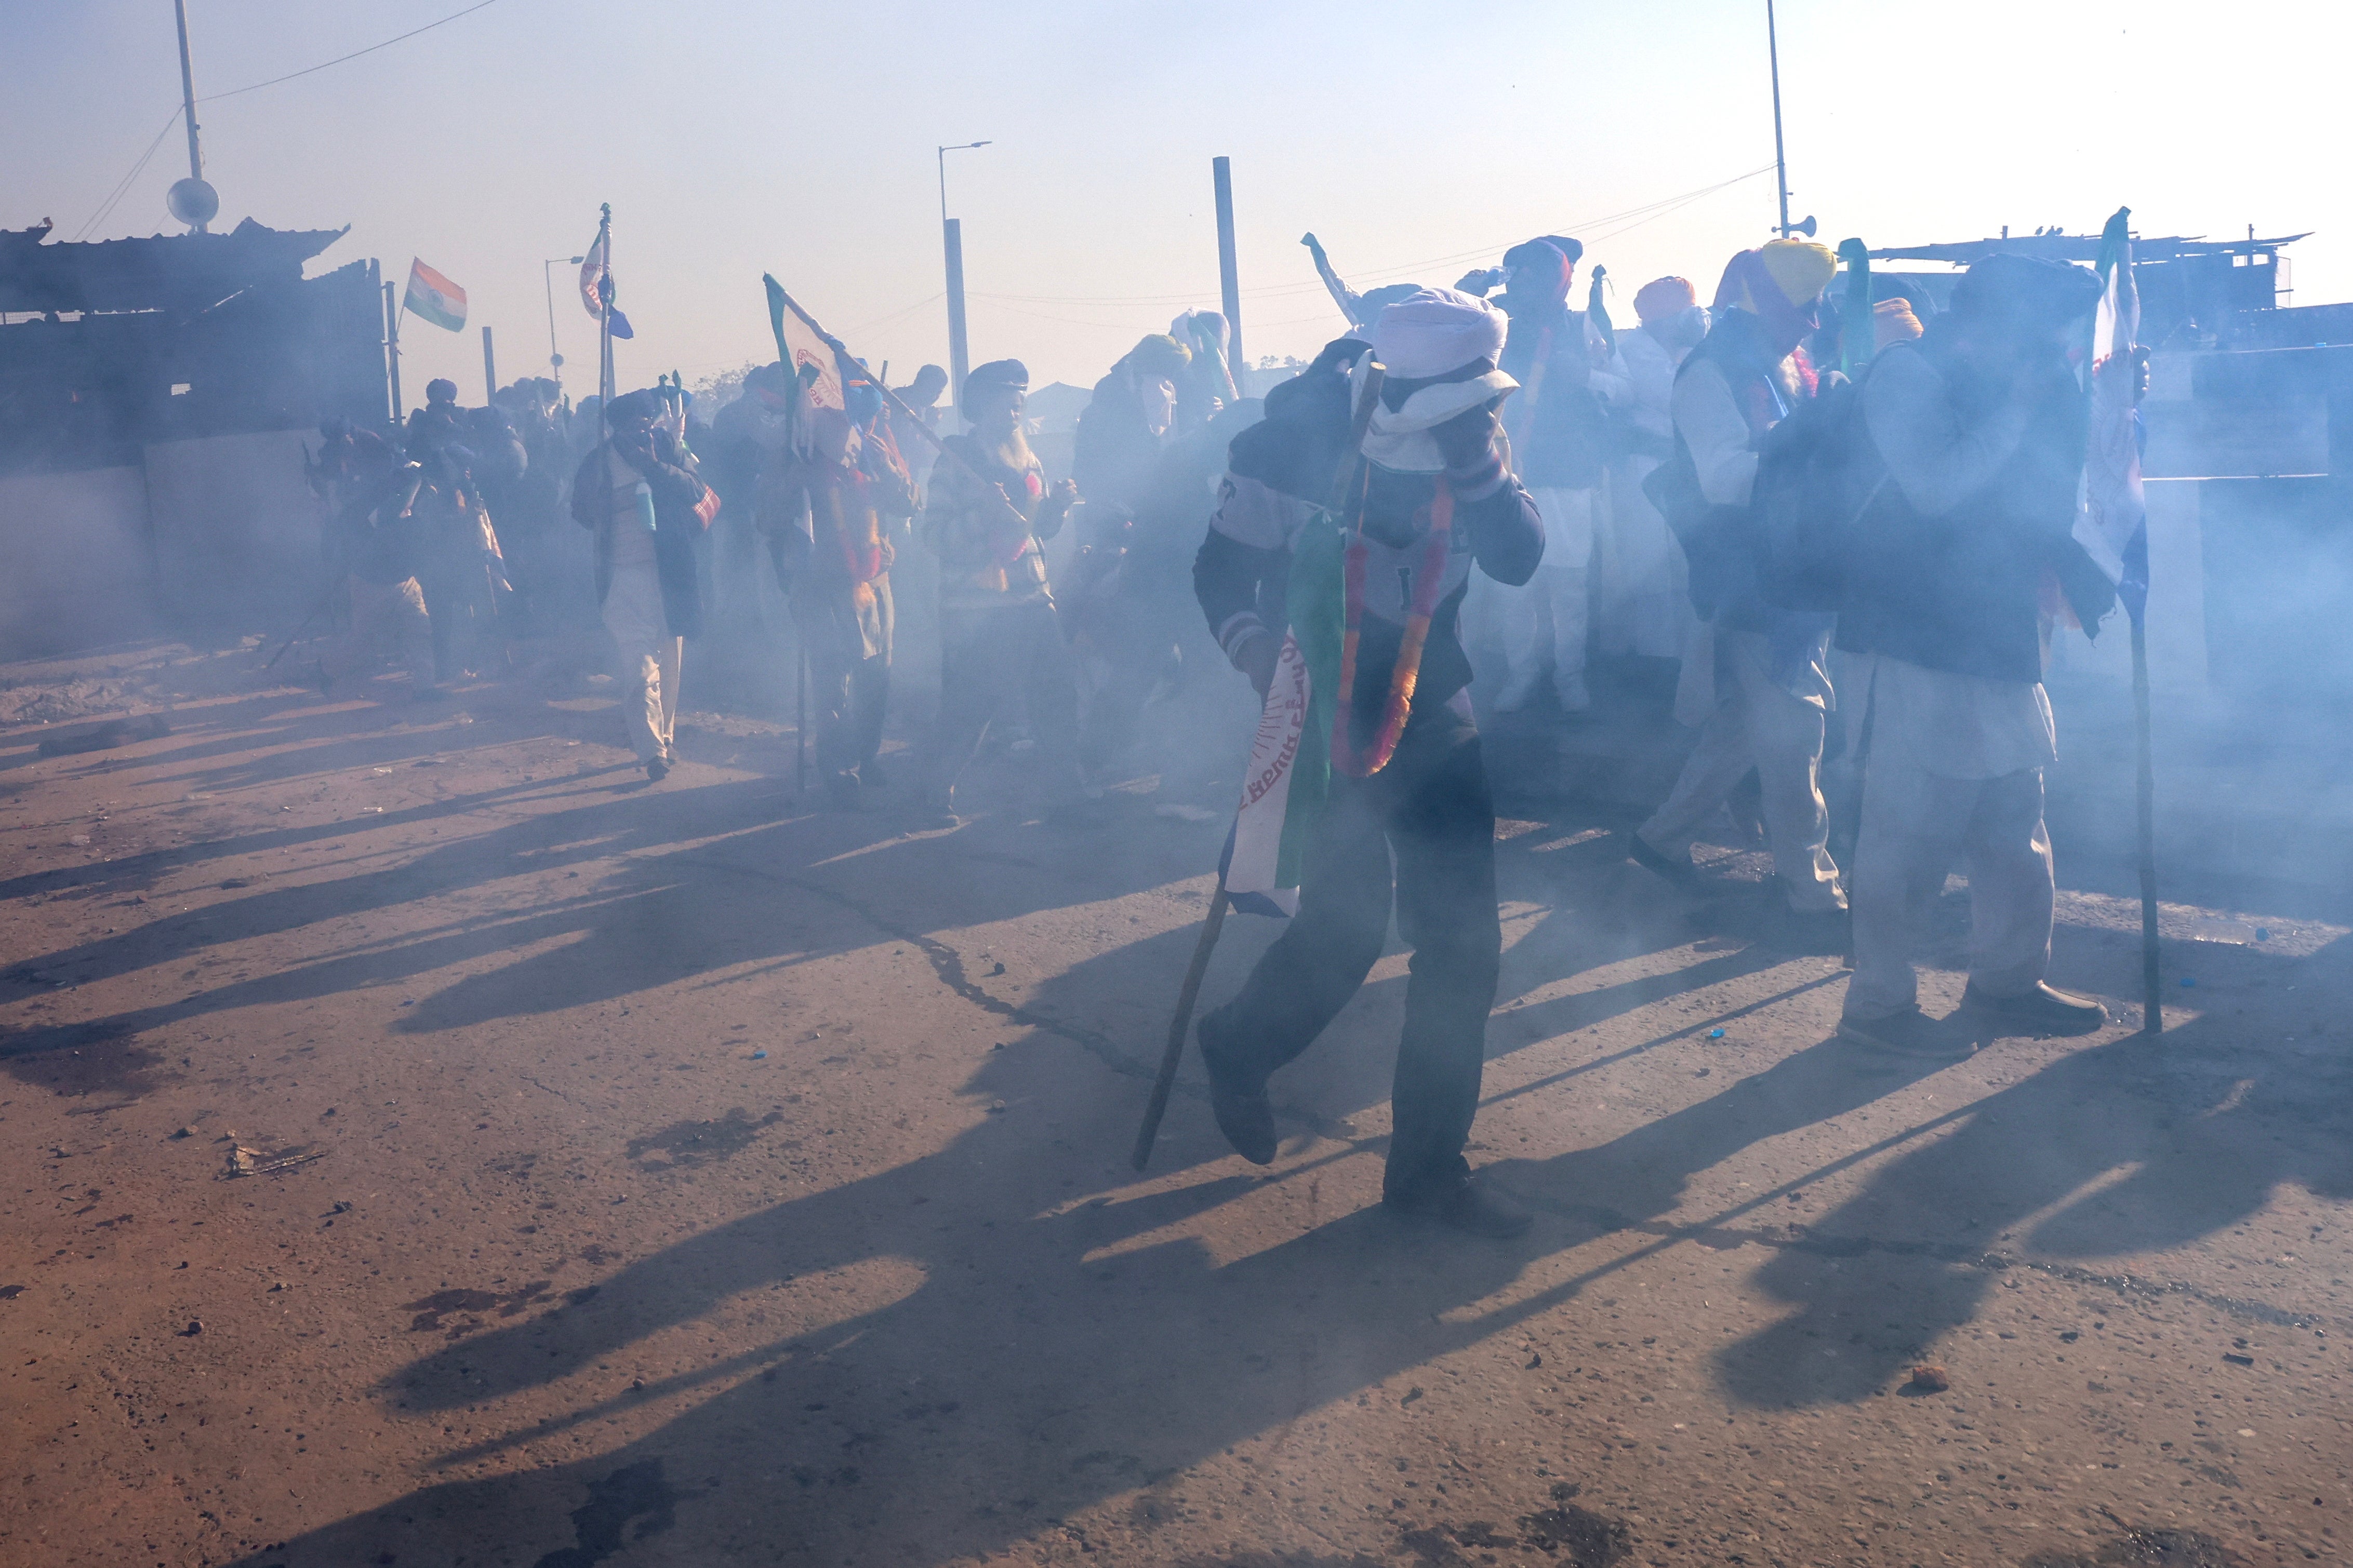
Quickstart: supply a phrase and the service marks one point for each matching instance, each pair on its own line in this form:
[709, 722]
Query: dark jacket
[379, 535]
[1949, 557]
[669, 474]
[1242, 567]
[1114, 452]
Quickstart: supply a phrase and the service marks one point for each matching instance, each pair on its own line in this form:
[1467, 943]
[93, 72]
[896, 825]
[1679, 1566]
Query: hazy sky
[732, 137]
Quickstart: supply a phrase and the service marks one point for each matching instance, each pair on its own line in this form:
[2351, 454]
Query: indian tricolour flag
[435, 298]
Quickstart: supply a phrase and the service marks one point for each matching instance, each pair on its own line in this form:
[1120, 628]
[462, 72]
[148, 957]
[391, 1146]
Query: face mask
[1158, 399]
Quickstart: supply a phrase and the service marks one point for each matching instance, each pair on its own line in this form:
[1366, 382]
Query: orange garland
[1345, 758]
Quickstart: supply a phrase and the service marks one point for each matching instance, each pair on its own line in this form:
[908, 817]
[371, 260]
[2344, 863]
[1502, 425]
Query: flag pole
[889, 396]
[2116, 252]
[2152, 1016]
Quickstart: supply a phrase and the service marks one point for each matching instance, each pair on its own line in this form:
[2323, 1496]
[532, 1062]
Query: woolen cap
[1009, 373]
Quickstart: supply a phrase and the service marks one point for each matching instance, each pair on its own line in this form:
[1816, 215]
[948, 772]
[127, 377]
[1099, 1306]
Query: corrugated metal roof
[178, 272]
[2079, 247]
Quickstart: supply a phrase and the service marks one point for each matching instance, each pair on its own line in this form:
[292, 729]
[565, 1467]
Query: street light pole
[189, 100]
[952, 240]
[554, 356]
[1780, 162]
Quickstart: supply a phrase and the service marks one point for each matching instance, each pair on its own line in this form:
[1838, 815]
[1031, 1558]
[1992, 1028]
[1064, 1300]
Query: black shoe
[841, 794]
[2045, 1010]
[656, 770]
[1237, 1100]
[1461, 1204]
[872, 775]
[1825, 931]
[1908, 1033]
[1678, 872]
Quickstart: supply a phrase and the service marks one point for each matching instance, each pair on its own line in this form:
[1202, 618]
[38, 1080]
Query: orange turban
[1664, 297]
[1891, 322]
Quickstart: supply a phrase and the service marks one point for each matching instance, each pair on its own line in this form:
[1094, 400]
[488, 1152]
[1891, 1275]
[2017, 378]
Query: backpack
[1789, 545]
[1718, 545]
[1809, 497]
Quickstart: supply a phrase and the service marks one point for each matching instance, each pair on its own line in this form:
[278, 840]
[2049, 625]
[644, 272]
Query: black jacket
[1295, 451]
[670, 474]
[1977, 503]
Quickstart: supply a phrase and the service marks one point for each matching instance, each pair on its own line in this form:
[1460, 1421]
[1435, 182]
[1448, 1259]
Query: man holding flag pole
[638, 493]
[1976, 435]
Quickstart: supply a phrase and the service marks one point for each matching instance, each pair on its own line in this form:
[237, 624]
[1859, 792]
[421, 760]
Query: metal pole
[1229, 287]
[604, 368]
[188, 98]
[555, 354]
[2152, 1015]
[952, 236]
[1780, 162]
[489, 370]
[959, 354]
[392, 349]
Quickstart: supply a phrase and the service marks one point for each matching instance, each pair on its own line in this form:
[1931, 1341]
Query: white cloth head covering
[1433, 331]
[1399, 438]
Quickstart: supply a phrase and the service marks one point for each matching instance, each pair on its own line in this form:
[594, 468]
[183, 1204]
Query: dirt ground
[425, 1143]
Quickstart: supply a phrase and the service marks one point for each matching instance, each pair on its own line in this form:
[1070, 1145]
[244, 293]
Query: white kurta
[649, 654]
[1640, 602]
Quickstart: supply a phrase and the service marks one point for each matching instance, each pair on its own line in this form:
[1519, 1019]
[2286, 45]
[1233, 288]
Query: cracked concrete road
[694, 1179]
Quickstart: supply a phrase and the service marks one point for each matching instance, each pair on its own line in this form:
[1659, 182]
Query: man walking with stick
[1426, 495]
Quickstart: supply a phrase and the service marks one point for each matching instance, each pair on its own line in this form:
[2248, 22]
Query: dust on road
[703, 1180]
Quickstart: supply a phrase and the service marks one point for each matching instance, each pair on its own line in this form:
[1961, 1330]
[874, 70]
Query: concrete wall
[236, 529]
[75, 570]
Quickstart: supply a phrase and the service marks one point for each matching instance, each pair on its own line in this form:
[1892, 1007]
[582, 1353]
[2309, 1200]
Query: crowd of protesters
[1526, 484]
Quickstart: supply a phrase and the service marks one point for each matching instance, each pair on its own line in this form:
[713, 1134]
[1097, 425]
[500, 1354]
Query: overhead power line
[1625, 219]
[339, 60]
[122, 186]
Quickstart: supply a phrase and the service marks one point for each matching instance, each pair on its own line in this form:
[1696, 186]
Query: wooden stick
[1179, 1026]
[1173, 1053]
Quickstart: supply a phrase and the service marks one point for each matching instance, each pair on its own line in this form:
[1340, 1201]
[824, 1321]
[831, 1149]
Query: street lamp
[952, 236]
[555, 357]
[1780, 160]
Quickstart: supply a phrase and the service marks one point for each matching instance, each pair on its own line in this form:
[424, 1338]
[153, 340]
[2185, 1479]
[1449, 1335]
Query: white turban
[1434, 331]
